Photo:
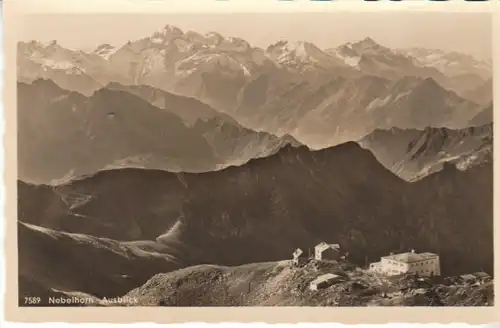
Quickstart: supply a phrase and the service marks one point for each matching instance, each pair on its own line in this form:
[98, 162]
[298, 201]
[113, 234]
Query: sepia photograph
[322, 159]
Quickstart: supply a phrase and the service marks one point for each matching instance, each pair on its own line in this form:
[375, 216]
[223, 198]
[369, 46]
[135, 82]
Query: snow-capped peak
[30, 45]
[352, 53]
[449, 62]
[238, 41]
[166, 33]
[367, 44]
[52, 43]
[41, 46]
[170, 30]
[299, 50]
[302, 55]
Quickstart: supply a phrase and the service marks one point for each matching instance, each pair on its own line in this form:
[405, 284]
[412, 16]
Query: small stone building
[324, 251]
[325, 281]
[482, 276]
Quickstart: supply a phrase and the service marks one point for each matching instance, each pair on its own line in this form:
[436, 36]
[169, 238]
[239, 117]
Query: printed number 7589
[32, 300]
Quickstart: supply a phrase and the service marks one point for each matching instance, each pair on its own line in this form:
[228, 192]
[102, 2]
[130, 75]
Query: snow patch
[352, 61]
[245, 70]
[402, 94]
[295, 50]
[202, 61]
[63, 64]
[157, 40]
[183, 45]
[378, 102]
[300, 50]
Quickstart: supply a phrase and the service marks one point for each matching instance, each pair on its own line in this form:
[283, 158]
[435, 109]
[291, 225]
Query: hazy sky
[464, 32]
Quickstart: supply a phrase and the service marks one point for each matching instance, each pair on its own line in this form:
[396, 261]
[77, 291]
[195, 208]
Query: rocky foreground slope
[281, 284]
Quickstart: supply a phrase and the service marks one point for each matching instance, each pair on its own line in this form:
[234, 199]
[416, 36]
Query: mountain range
[413, 154]
[283, 89]
[180, 159]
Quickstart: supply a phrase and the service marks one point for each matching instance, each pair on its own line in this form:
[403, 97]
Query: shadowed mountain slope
[63, 134]
[265, 209]
[188, 109]
[229, 140]
[83, 263]
[70, 134]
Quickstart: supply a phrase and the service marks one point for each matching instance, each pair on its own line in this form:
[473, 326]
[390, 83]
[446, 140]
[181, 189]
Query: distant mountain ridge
[483, 94]
[172, 52]
[414, 154]
[329, 112]
[64, 134]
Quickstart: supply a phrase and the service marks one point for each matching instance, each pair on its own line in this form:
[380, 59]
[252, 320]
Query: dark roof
[324, 246]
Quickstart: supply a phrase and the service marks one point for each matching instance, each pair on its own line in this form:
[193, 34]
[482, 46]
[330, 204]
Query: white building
[324, 251]
[423, 264]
